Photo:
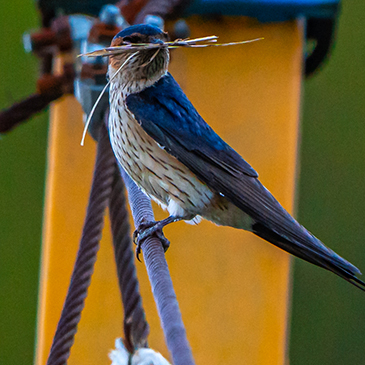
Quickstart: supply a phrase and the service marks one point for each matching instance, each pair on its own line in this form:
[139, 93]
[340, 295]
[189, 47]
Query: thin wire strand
[100, 96]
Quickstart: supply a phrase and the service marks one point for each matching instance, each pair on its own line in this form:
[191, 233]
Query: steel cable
[160, 279]
[23, 110]
[86, 256]
[136, 328]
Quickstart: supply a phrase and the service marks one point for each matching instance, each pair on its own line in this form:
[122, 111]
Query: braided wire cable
[136, 328]
[50, 88]
[160, 279]
[86, 256]
[23, 110]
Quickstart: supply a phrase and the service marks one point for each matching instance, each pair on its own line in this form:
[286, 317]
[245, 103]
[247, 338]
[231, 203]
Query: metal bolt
[181, 29]
[27, 42]
[111, 15]
[155, 20]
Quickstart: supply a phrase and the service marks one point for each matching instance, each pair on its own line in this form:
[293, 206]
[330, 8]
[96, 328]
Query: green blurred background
[328, 317]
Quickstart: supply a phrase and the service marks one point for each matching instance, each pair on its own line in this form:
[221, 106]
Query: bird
[177, 160]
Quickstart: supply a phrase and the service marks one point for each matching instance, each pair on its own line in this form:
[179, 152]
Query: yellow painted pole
[233, 288]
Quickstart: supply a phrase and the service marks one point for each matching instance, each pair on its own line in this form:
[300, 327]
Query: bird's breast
[160, 175]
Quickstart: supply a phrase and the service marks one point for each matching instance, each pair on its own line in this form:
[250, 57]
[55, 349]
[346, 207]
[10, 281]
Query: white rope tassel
[143, 356]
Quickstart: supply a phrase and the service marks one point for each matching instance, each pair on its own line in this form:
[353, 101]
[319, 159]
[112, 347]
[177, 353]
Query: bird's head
[144, 68]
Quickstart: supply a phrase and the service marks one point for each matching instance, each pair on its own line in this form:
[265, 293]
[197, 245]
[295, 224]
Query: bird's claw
[146, 230]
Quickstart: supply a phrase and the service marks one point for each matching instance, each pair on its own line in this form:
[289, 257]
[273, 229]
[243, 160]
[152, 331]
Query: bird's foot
[146, 230]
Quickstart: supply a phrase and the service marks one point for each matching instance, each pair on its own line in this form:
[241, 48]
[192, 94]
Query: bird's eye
[132, 39]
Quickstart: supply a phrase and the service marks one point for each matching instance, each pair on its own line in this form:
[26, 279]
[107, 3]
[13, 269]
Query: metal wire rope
[86, 256]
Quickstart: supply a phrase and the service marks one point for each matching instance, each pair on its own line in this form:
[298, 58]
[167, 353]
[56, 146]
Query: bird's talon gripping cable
[141, 228]
[146, 230]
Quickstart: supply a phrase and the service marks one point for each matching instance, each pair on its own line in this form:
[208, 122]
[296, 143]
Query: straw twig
[202, 42]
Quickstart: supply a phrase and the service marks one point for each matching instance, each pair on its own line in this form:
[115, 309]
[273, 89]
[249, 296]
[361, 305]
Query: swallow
[177, 160]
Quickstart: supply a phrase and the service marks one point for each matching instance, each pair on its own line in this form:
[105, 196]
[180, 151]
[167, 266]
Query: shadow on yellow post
[233, 288]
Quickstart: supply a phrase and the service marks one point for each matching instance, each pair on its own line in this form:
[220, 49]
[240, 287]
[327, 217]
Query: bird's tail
[317, 254]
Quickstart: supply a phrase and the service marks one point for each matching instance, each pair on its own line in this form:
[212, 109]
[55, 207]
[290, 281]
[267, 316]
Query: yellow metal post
[233, 288]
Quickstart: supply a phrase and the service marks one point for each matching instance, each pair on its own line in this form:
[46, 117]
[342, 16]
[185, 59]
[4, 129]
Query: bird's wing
[163, 110]
[166, 114]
